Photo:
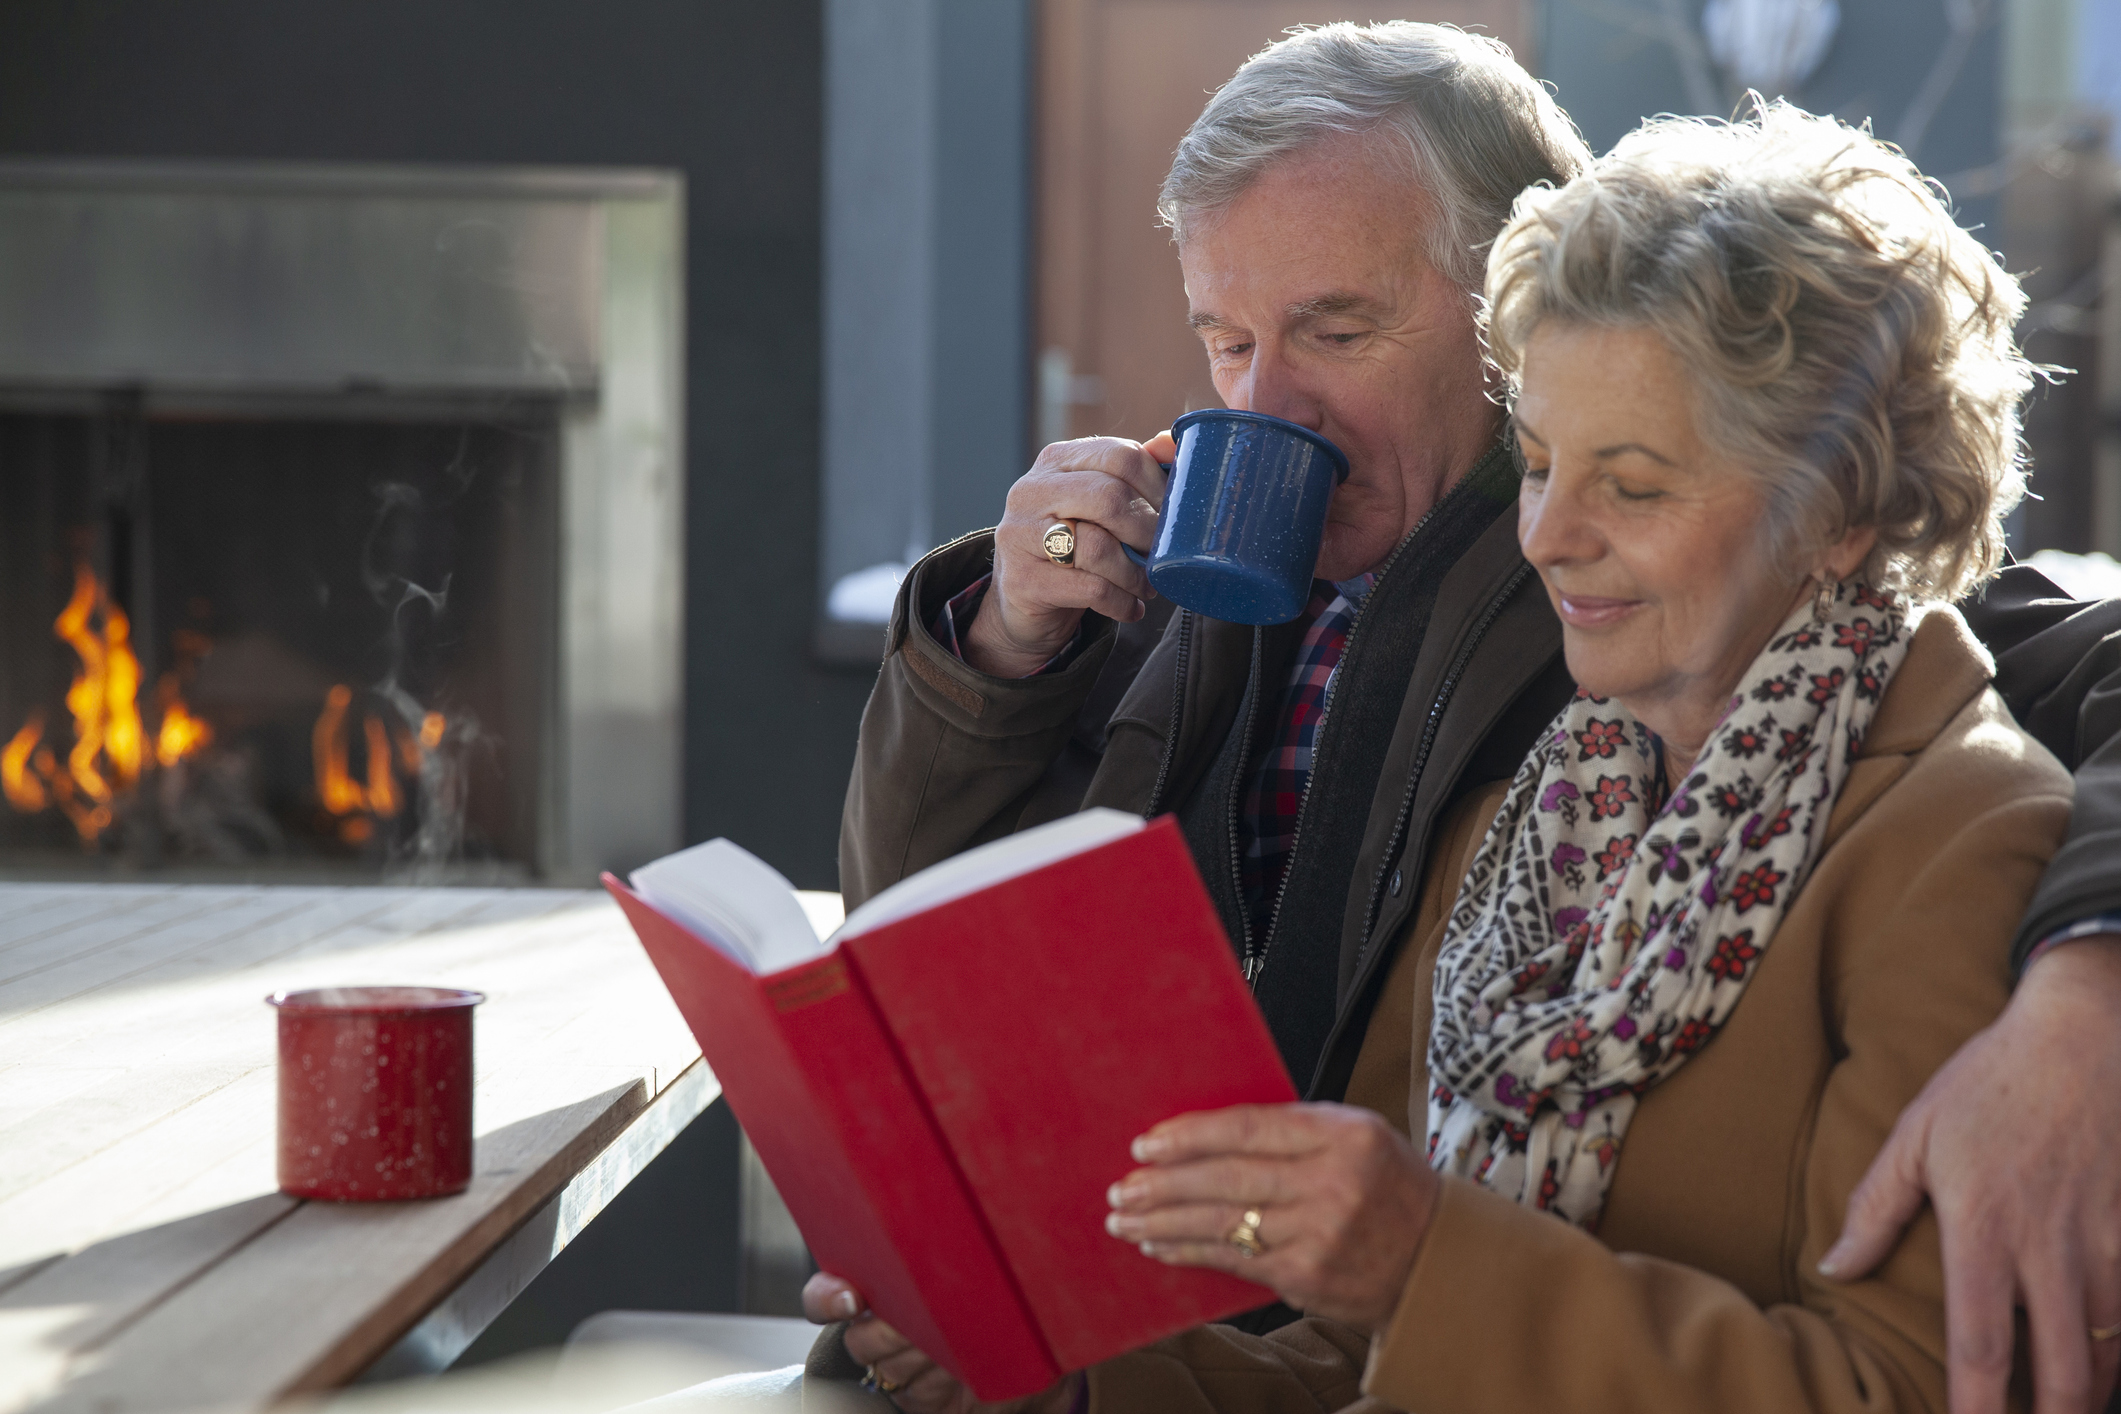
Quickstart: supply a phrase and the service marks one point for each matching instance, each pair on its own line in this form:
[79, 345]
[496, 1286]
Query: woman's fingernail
[1149, 1148]
[1830, 1264]
[847, 1307]
[1117, 1225]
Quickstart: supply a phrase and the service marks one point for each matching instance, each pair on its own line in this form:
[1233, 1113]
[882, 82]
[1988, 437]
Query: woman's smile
[1590, 611]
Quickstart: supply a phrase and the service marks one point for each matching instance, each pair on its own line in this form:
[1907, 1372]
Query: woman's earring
[1823, 599]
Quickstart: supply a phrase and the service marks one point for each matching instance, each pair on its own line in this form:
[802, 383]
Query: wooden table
[146, 1260]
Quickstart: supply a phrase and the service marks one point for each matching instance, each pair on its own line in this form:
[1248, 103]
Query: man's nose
[1274, 386]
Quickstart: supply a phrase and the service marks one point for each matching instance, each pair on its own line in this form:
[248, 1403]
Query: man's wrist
[2072, 985]
[2106, 926]
[971, 637]
[989, 648]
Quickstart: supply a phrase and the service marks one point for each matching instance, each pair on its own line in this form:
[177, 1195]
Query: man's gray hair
[1472, 127]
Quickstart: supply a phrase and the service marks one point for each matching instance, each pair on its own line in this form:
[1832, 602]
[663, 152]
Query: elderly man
[1331, 209]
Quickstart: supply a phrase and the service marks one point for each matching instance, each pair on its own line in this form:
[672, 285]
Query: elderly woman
[1670, 986]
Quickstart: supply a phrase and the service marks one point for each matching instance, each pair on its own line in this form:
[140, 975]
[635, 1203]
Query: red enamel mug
[375, 1092]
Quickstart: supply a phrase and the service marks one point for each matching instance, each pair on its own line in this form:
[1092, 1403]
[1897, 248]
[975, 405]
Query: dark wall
[1610, 75]
[982, 418]
[729, 95]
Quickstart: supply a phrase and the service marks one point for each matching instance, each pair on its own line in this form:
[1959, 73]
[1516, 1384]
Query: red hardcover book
[943, 1098]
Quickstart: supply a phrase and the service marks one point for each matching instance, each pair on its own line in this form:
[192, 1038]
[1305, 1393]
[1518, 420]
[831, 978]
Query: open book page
[735, 900]
[826, 910]
[991, 863]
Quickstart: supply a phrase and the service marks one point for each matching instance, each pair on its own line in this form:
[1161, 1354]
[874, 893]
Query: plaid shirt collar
[1266, 820]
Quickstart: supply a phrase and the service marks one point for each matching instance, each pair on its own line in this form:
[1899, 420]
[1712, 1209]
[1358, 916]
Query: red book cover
[821, 1092]
[1049, 1020]
[943, 1101]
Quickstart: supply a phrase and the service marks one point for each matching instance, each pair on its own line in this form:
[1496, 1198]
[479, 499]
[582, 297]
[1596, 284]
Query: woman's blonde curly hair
[1850, 345]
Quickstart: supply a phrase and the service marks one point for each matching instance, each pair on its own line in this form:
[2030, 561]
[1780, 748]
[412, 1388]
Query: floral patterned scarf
[1600, 940]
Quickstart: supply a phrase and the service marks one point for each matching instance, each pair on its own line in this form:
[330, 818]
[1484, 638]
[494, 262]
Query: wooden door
[1119, 83]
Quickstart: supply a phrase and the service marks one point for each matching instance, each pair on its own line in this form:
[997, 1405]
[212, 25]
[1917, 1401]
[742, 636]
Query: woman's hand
[1343, 1201]
[918, 1384]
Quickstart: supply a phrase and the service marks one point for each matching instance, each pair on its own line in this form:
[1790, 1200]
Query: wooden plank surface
[146, 1261]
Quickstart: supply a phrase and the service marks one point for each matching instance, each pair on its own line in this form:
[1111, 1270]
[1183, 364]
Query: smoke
[440, 785]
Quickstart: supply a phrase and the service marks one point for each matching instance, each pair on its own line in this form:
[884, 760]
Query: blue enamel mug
[1244, 511]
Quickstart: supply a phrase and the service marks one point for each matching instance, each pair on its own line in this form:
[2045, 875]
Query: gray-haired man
[1331, 207]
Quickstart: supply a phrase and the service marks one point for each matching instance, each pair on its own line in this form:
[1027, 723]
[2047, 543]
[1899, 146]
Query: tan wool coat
[1699, 1290]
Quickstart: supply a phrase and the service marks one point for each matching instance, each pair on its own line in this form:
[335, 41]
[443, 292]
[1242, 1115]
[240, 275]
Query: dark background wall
[1611, 75]
[729, 95]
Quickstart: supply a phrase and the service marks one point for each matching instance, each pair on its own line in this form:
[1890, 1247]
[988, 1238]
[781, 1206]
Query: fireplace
[338, 522]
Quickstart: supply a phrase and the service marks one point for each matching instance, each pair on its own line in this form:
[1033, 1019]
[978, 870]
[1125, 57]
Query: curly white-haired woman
[1671, 986]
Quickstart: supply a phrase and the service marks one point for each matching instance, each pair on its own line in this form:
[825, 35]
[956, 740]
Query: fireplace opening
[341, 518]
[278, 646]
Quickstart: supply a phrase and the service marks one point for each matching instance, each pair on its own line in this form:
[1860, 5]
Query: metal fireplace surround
[347, 293]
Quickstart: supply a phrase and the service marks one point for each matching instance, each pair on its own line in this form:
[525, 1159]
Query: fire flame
[110, 742]
[181, 733]
[24, 790]
[359, 804]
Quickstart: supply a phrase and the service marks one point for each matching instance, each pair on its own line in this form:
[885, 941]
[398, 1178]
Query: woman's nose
[1551, 526]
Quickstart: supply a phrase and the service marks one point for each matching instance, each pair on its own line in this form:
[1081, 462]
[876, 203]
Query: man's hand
[1343, 1201]
[1110, 489]
[919, 1385]
[2017, 1141]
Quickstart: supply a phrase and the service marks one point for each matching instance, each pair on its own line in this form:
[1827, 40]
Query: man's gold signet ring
[1060, 543]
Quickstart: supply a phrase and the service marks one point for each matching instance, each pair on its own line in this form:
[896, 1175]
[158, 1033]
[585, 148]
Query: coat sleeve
[2058, 667]
[1510, 1309]
[948, 756]
[1309, 1367]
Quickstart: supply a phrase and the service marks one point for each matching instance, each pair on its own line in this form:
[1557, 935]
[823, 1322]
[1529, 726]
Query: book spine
[815, 1079]
[984, 1329]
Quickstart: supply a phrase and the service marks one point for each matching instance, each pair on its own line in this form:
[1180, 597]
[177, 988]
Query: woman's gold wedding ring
[1245, 1236]
[2106, 1332]
[1060, 543]
[871, 1380]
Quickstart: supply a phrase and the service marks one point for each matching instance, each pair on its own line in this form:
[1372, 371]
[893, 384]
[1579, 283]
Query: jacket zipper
[1428, 743]
[1255, 966]
[1178, 703]
[1253, 688]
